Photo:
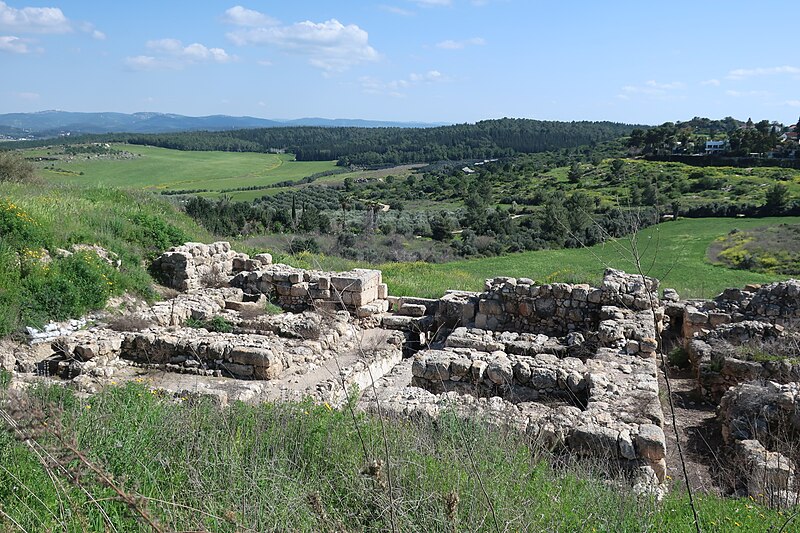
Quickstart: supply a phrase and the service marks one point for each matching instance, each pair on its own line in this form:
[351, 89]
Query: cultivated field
[161, 169]
[674, 252]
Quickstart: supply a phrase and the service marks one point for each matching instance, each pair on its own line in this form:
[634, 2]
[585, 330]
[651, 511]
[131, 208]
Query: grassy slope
[135, 225]
[674, 252]
[290, 467]
[163, 169]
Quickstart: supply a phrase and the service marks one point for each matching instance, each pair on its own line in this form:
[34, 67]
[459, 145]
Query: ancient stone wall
[760, 422]
[776, 303]
[743, 351]
[509, 304]
[359, 290]
[194, 265]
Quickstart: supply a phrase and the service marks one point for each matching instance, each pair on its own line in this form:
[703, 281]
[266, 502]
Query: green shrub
[156, 235]
[678, 358]
[66, 287]
[217, 324]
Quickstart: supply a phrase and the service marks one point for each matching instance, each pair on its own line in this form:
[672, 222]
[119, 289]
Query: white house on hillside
[716, 147]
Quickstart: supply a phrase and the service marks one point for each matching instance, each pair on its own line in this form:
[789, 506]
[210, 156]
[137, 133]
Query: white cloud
[264, 62]
[458, 45]
[396, 88]
[741, 73]
[430, 77]
[248, 18]
[712, 82]
[34, 19]
[651, 88]
[740, 94]
[432, 3]
[792, 103]
[330, 45]
[171, 54]
[88, 28]
[15, 45]
[396, 10]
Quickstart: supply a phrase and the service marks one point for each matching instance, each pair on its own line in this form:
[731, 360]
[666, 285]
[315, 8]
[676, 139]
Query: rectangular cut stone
[383, 291]
[413, 310]
[299, 290]
[319, 293]
[357, 280]
[490, 307]
[357, 299]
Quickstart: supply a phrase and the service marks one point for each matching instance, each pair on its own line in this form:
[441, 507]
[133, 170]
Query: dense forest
[391, 146]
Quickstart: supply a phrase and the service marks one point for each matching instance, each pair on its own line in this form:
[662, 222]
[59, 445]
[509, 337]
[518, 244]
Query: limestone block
[357, 299]
[500, 371]
[650, 442]
[412, 310]
[299, 290]
[460, 368]
[490, 307]
[367, 310]
[357, 280]
[595, 441]
[263, 258]
[543, 378]
[478, 370]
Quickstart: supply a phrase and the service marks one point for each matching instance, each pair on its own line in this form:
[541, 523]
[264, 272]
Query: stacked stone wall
[361, 291]
[509, 304]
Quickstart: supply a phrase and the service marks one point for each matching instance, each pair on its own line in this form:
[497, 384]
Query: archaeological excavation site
[574, 368]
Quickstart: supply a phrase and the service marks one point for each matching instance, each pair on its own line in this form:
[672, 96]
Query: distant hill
[54, 123]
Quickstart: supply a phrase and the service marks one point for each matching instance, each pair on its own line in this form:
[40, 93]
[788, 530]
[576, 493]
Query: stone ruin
[744, 350]
[571, 366]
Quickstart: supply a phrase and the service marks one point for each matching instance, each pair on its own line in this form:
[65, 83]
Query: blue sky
[425, 60]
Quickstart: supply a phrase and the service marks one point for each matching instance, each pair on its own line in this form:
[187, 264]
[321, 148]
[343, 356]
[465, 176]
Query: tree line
[392, 146]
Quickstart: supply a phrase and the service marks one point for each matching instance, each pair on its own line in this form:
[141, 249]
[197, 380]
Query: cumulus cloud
[34, 19]
[15, 45]
[792, 103]
[172, 54]
[397, 88]
[712, 82]
[458, 45]
[741, 73]
[248, 18]
[330, 45]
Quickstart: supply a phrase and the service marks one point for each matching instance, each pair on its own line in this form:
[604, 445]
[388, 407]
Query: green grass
[674, 252]
[37, 216]
[161, 169]
[301, 467]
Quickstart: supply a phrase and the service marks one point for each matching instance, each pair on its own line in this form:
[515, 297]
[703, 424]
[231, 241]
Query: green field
[674, 252]
[161, 169]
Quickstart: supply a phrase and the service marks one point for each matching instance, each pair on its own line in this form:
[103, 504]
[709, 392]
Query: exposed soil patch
[699, 435]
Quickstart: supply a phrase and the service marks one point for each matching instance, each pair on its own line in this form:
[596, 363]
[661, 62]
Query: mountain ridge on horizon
[52, 123]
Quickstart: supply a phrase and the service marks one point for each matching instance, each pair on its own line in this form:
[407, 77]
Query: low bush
[217, 324]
